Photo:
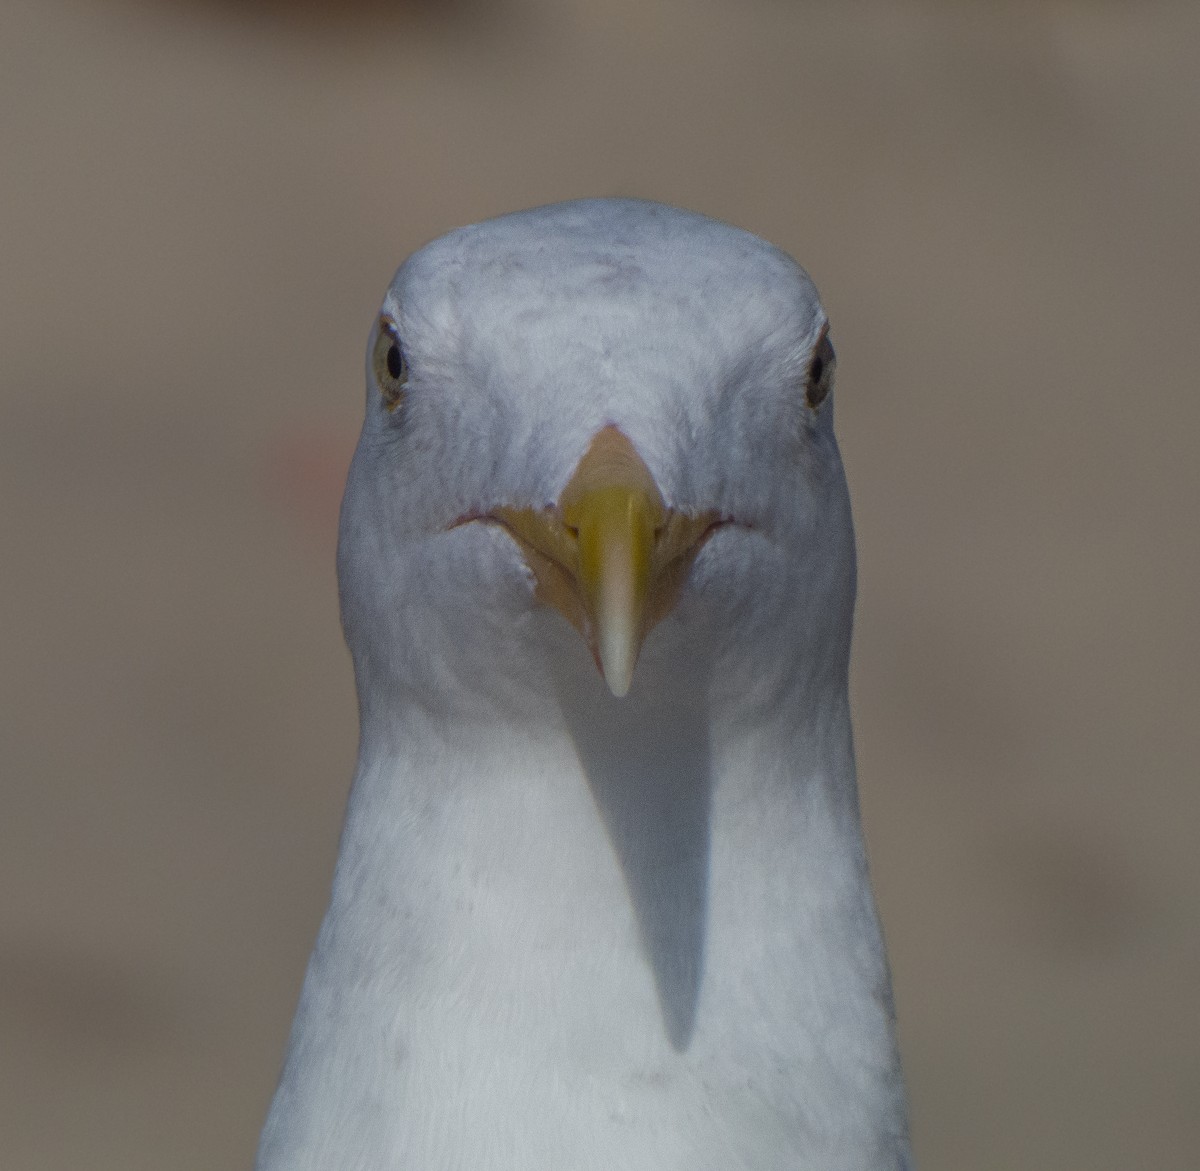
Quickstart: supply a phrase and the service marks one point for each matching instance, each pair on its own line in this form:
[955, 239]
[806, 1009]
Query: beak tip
[619, 686]
[616, 666]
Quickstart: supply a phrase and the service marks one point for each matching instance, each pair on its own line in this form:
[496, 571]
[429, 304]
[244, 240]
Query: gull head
[597, 432]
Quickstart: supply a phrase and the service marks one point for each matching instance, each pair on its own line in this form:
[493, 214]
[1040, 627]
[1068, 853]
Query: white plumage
[570, 930]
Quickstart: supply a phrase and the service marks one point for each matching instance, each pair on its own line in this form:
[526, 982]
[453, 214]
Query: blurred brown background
[200, 207]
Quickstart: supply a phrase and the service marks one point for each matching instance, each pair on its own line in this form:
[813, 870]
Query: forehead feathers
[538, 329]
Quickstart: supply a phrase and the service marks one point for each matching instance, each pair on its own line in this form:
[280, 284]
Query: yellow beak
[610, 556]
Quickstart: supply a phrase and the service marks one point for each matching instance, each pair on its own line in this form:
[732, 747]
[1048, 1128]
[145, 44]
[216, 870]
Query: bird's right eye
[389, 364]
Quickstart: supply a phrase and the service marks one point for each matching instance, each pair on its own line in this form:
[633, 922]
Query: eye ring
[819, 380]
[389, 365]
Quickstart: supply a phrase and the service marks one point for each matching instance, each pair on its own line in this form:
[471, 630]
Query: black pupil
[818, 368]
[395, 361]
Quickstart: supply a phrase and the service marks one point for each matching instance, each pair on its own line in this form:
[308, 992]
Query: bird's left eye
[820, 371]
[389, 364]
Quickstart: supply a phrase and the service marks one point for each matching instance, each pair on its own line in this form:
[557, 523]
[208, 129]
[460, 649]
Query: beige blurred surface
[200, 207]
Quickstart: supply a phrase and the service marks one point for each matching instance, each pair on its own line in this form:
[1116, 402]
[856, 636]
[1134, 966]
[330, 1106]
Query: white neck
[632, 936]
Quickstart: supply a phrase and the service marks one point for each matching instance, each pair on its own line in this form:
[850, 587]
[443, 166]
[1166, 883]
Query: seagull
[601, 899]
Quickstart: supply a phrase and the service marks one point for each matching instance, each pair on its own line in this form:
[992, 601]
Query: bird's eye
[820, 371]
[389, 364]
